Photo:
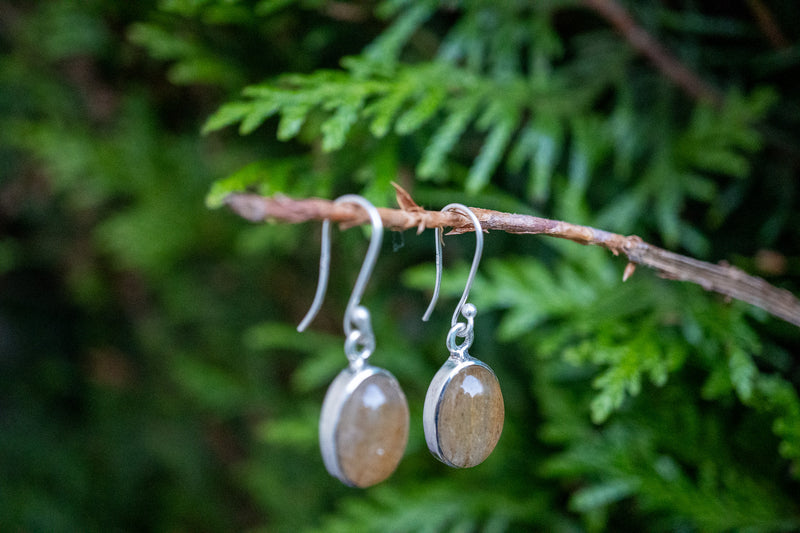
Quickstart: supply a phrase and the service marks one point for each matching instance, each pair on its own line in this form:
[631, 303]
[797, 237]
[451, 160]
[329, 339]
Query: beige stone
[471, 417]
[372, 432]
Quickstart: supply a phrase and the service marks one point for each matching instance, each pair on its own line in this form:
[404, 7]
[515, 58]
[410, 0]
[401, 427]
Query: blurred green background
[151, 378]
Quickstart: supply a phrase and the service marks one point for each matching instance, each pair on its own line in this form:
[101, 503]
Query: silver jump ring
[358, 346]
[462, 330]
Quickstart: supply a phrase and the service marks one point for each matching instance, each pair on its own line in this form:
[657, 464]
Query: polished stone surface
[471, 415]
[372, 432]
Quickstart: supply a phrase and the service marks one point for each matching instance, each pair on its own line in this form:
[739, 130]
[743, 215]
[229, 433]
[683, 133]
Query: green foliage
[151, 372]
[545, 116]
[433, 508]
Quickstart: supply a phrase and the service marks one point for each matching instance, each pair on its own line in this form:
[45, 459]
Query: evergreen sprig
[531, 120]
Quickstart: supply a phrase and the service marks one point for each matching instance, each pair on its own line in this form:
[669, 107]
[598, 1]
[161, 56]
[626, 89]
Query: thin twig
[648, 46]
[723, 279]
[768, 25]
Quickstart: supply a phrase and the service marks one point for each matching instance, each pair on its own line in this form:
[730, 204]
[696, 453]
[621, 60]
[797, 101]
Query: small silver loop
[360, 342]
[363, 275]
[358, 346]
[465, 331]
[459, 330]
[472, 271]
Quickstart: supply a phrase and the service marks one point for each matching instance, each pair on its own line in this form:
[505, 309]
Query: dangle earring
[363, 426]
[463, 412]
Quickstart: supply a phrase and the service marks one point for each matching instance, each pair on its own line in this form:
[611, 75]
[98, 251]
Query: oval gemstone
[470, 416]
[372, 432]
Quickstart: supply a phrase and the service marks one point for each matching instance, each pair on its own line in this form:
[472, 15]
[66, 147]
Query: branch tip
[630, 268]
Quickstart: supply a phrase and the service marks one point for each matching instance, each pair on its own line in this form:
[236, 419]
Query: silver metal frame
[339, 391]
[433, 399]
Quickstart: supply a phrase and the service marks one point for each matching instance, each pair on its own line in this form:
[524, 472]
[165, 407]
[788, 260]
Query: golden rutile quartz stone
[372, 432]
[471, 415]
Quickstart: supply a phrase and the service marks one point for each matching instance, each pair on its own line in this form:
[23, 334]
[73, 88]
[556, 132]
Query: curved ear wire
[350, 315]
[472, 271]
[324, 269]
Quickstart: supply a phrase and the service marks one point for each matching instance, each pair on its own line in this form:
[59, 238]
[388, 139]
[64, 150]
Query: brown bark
[723, 279]
[648, 46]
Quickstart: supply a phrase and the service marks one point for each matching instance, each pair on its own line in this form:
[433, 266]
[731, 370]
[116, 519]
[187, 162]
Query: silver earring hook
[472, 271]
[355, 317]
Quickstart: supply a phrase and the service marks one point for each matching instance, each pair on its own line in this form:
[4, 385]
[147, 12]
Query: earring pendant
[363, 428]
[464, 412]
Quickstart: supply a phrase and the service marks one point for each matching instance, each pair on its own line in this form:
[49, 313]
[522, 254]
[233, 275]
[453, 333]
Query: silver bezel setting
[339, 391]
[434, 396]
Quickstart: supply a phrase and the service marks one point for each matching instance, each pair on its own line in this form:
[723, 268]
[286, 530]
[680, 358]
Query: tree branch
[648, 46]
[723, 279]
[768, 25]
